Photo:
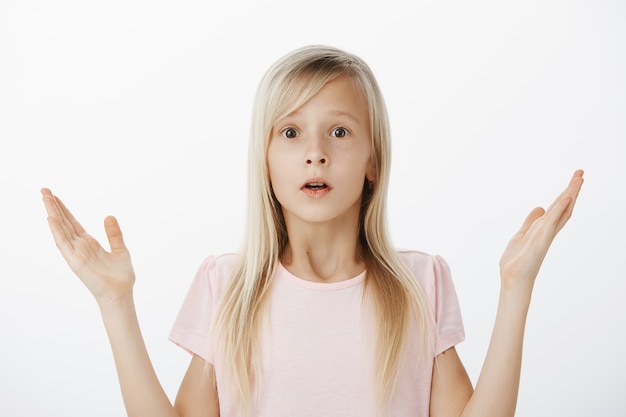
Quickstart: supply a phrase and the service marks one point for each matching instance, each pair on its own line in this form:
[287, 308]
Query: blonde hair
[389, 285]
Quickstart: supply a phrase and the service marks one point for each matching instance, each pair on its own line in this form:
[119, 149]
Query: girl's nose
[316, 154]
[321, 161]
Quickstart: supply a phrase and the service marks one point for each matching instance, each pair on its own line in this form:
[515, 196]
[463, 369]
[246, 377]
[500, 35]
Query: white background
[141, 109]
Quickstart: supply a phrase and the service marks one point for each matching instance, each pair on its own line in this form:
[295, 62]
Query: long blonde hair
[390, 286]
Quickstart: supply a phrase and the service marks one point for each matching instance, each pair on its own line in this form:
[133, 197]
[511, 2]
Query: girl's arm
[497, 386]
[109, 276]
[197, 396]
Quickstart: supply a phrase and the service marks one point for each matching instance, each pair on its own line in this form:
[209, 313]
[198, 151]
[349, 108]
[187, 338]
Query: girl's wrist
[515, 297]
[517, 284]
[116, 304]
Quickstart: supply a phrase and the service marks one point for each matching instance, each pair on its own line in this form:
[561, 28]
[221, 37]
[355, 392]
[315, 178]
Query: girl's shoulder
[225, 260]
[419, 260]
[429, 270]
[215, 270]
[212, 262]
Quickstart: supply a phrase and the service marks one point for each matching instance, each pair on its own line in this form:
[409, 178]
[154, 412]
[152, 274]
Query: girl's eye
[289, 133]
[339, 132]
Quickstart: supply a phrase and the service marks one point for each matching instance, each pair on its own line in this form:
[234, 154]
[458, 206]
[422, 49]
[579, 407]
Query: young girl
[317, 315]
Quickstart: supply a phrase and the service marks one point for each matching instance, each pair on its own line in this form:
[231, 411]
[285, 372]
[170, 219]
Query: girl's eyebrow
[340, 113]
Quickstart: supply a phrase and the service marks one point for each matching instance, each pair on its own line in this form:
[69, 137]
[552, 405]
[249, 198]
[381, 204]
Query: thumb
[114, 234]
[536, 213]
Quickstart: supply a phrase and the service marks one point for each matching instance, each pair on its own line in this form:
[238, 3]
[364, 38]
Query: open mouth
[315, 186]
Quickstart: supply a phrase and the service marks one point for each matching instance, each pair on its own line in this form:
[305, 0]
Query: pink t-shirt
[317, 347]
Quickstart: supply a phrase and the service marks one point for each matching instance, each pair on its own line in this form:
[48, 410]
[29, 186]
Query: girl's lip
[316, 180]
[317, 192]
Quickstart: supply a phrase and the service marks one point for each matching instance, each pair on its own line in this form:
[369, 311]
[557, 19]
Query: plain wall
[141, 109]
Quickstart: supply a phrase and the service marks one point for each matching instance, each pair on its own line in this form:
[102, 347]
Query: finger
[48, 200]
[60, 239]
[114, 234]
[71, 221]
[571, 187]
[535, 214]
[569, 209]
[66, 222]
[561, 210]
[60, 230]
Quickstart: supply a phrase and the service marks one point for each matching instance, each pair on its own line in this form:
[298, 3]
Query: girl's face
[319, 156]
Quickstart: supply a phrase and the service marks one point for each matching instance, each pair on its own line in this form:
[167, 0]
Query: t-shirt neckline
[315, 285]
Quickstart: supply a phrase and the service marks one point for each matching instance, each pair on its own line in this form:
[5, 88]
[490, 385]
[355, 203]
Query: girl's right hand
[109, 276]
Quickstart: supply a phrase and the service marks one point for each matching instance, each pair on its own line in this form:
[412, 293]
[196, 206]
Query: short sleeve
[447, 312]
[433, 275]
[192, 325]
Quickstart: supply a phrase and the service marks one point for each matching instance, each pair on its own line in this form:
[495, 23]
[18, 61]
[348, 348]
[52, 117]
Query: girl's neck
[322, 253]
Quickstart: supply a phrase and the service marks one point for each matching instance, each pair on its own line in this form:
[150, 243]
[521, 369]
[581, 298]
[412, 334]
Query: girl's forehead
[340, 96]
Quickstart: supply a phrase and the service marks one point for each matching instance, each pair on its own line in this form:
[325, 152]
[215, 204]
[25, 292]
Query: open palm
[107, 275]
[525, 252]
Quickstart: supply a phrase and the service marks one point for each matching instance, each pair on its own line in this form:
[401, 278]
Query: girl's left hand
[524, 254]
